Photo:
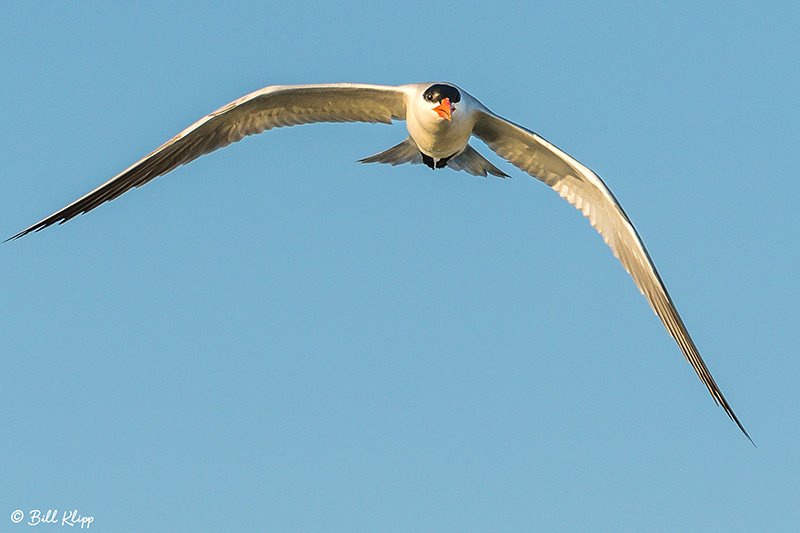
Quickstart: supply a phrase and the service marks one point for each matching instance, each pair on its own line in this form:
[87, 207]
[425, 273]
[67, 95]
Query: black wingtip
[15, 237]
[24, 232]
[722, 402]
[741, 427]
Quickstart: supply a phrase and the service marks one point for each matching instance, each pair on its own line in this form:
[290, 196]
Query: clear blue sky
[276, 338]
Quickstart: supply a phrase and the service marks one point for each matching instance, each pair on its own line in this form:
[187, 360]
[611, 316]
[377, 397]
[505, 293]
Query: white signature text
[51, 516]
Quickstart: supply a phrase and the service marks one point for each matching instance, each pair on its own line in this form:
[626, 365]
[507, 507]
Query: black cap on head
[439, 91]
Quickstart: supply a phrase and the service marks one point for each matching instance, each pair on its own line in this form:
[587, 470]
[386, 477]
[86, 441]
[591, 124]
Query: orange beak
[444, 109]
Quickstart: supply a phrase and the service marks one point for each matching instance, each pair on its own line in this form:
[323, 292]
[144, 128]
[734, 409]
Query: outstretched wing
[586, 191]
[270, 107]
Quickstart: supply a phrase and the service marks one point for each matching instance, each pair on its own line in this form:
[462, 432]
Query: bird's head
[442, 98]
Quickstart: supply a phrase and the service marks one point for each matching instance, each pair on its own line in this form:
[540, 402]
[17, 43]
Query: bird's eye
[429, 97]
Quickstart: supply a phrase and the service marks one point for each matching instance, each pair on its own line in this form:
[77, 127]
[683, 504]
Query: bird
[441, 118]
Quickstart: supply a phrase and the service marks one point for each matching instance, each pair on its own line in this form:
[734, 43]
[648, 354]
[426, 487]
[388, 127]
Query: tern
[440, 118]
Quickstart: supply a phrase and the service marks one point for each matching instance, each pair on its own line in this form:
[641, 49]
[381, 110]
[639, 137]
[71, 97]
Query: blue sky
[277, 338]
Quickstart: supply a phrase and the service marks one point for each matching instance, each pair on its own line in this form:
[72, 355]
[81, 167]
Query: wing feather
[586, 191]
[270, 107]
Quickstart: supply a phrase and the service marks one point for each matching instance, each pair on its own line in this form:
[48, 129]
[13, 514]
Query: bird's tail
[405, 152]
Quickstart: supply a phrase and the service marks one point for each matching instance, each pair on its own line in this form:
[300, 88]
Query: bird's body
[435, 135]
[441, 118]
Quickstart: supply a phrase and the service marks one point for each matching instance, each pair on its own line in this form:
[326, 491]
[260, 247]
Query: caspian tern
[440, 118]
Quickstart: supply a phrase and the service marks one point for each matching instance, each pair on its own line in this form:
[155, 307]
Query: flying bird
[440, 118]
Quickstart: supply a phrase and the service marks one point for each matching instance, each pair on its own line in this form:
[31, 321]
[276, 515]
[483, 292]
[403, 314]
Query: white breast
[436, 136]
